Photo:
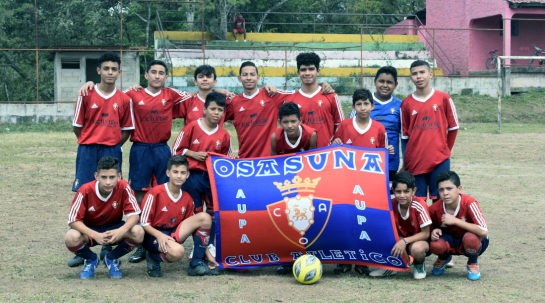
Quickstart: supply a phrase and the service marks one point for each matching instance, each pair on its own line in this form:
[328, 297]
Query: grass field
[499, 170]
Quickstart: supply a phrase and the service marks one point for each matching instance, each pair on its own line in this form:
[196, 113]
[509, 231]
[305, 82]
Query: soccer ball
[307, 269]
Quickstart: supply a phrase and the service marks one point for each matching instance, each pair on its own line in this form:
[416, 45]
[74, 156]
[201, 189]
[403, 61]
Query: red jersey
[319, 111]
[416, 218]
[102, 118]
[92, 209]
[161, 210]
[195, 137]
[283, 145]
[468, 210]
[192, 109]
[373, 136]
[154, 113]
[425, 123]
[255, 118]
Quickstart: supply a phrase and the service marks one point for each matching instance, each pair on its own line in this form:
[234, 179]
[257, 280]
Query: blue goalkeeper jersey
[389, 114]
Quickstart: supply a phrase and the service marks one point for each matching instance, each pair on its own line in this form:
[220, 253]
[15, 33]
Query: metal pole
[121, 41]
[500, 91]
[286, 67]
[361, 56]
[37, 59]
[433, 47]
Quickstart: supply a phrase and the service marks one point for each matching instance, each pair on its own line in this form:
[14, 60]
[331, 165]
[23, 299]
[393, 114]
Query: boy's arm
[83, 91]
[448, 219]
[100, 238]
[326, 88]
[77, 131]
[162, 239]
[336, 112]
[400, 247]
[125, 134]
[273, 144]
[312, 141]
[451, 138]
[182, 143]
[115, 235]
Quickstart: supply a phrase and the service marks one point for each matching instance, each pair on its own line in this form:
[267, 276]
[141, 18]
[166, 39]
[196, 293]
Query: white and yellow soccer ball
[307, 269]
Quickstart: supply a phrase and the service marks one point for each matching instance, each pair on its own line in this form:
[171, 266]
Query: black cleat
[138, 256]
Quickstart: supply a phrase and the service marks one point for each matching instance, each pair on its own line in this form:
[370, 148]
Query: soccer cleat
[284, 269]
[342, 268]
[139, 255]
[154, 267]
[113, 267]
[419, 271]
[381, 272]
[473, 272]
[212, 272]
[439, 266]
[104, 251]
[76, 261]
[199, 270]
[89, 267]
[451, 264]
[362, 269]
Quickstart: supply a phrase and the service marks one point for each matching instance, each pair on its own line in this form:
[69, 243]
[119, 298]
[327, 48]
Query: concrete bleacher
[274, 54]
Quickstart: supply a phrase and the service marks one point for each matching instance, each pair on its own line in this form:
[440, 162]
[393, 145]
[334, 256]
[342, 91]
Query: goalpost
[501, 79]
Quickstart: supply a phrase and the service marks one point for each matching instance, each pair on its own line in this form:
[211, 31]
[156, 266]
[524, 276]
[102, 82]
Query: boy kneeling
[459, 226]
[96, 218]
[168, 219]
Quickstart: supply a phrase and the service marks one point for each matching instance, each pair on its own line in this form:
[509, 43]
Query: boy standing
[413, 226]
[96, 218]
[168, 219]
[293, 136]
[459, 226]
[429, 128]
[102, 121]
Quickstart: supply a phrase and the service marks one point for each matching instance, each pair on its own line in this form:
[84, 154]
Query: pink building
[468, 49]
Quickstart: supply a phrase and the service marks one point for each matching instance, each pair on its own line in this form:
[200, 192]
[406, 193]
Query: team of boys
[161, 217]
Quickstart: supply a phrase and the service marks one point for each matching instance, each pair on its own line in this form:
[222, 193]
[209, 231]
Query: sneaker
[362, 269]
[76, 261]
[236, 40]
[104, 251]
[284, 269]
[212, 272]
[244, 40]
[451, 264]
[154, 267]
[342, 268]
[419, 271]
[139, 255]
[199, 270]
[473, 272]
[88, 270]
[439, 266]
[381, 272]
[113, 267]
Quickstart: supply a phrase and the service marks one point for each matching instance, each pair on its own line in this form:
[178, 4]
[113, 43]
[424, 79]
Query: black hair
[215, 97]
[361, 94]
[449, 175]
[108, 163]
[247, 63]
[288, 109]
[177, 160]
[420, 63]
[308, 59]
[389, 70]
[108, 56]
[157, 62]
[403, 177]
[206, 70]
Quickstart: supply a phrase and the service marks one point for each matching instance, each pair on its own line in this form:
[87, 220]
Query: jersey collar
[425, 99]
[198, 96]
[382, 102]
[170, 195]
[358, 129]
[97, 191]
[102, 95]
[298, 139]
[152, 94]
[408, 210]
[313, 94]
[457, 207]
[204, 129]
[252, 96]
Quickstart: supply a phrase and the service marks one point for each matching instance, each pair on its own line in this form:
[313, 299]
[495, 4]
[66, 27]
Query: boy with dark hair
[387, 111]
[459, 226]
[239, 27]
[293, 136]
[168, 219]
[96, 218]
[413, 226]
[429, 127]
[319, 111]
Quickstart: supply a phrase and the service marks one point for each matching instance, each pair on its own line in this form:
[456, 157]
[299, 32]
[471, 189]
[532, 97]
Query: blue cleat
[199, 270]
[113, 267]
[88, 270]
[473, 272]
[439, 266]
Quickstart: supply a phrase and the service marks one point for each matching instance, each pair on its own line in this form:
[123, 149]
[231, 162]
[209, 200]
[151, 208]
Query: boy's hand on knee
[398, 249]
[164, 242]
[435, 234]
[114, 236]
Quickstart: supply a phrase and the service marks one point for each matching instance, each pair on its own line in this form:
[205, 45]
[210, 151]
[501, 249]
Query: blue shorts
[150, 243]
[198, 187]
[427, 182]
[146, 160]
[457, 247]
[87, 160]
[103, 228]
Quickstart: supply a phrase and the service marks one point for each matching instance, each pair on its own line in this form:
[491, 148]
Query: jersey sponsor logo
[164, 102]
[141, 102]
[196, 109]
[372, 140]
[392, 110]
[262, 102]
[253, 115]
[106, 122]
[241, 109]
[105, 114]
[414, 113]
[116, 106]
[314, 120]
[379, 118]
[154, 111]
[92, 208]
[349, 141]
[320, 102]
[196, 141]
[427, 125]
[94, 106]
[257, 122]
[115, 204]
[164, 209]
[311, 113]
[154, 119]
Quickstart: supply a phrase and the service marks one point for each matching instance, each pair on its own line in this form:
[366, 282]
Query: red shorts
[238, 30]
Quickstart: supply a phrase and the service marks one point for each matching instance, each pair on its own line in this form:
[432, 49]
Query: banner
[332, 202]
